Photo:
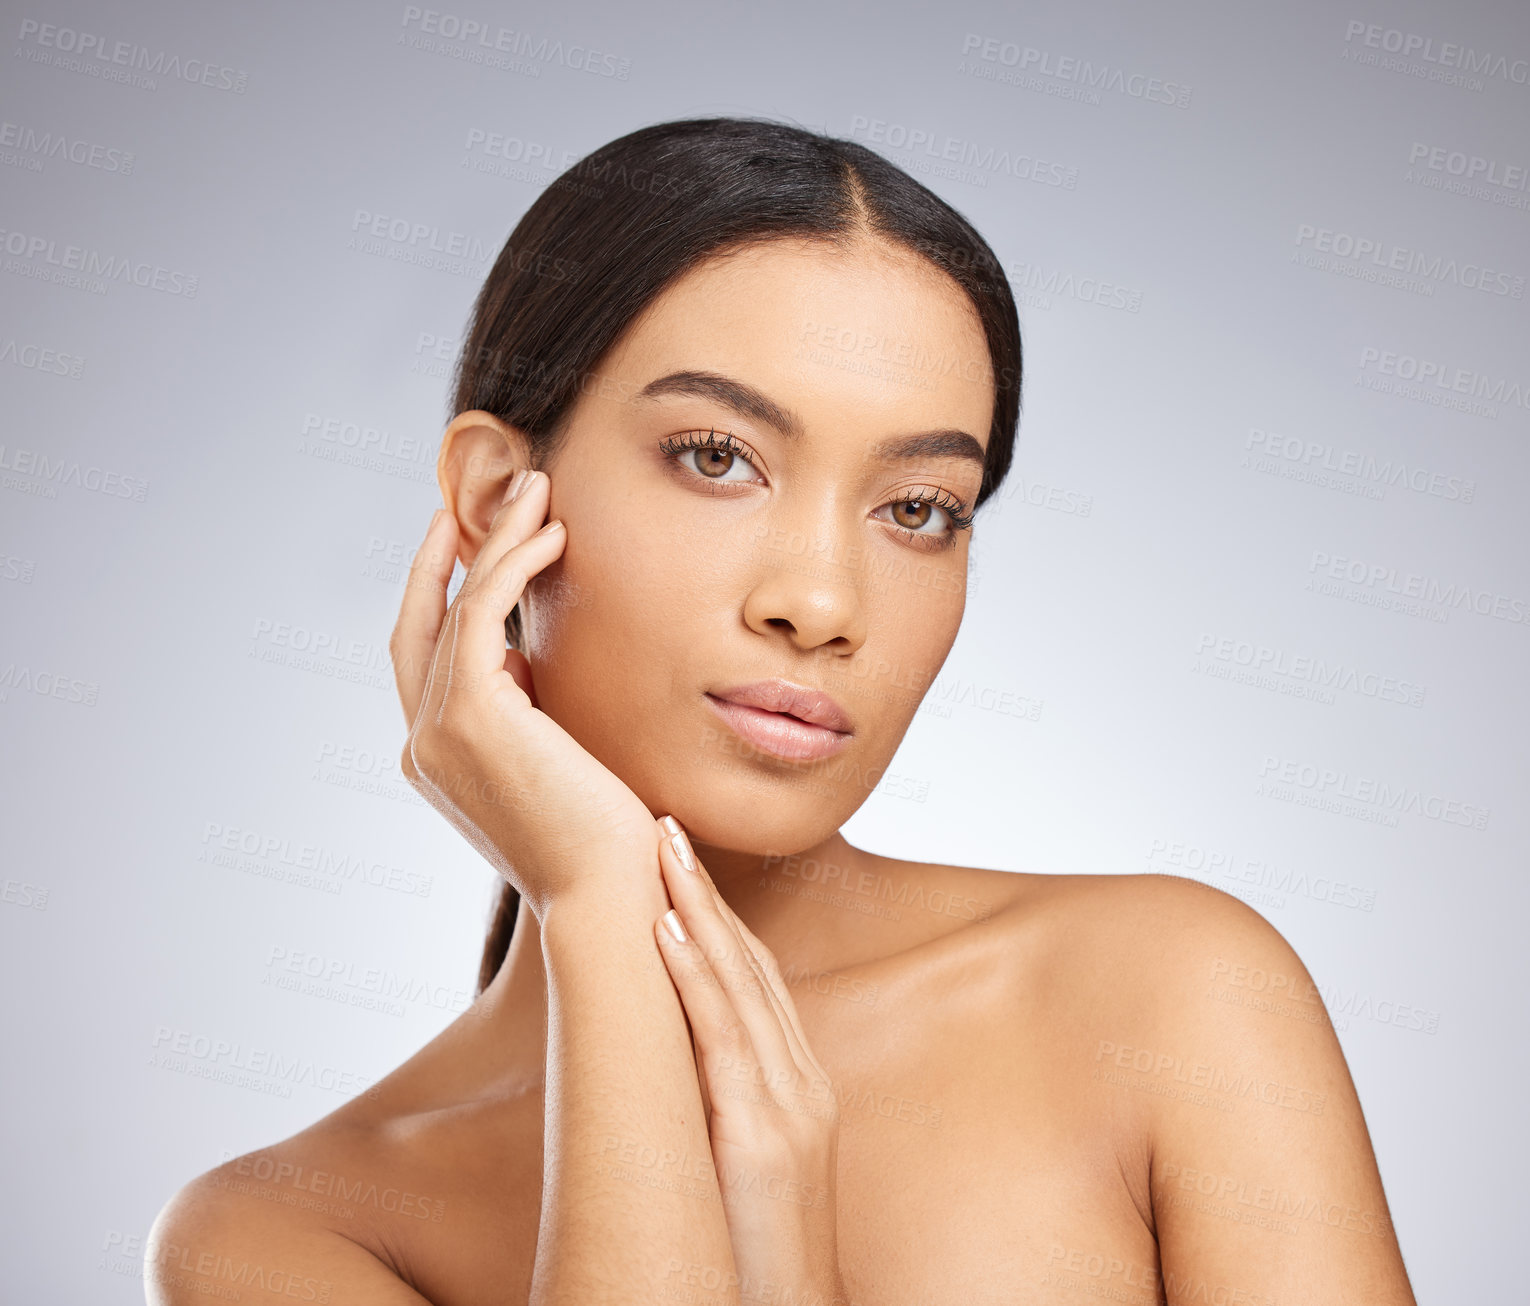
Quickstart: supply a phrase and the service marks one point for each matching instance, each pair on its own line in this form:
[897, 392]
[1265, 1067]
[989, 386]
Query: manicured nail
[672, 924]
[517, 484]
[682, 847]
[669, 824]
[554, 525]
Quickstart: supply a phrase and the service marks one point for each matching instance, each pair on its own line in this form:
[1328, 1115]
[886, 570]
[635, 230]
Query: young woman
[731, 396]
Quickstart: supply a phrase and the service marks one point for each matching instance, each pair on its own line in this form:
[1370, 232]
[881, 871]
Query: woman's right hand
[544, 812]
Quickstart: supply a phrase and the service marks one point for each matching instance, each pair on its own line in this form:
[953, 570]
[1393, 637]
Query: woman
[731, 396]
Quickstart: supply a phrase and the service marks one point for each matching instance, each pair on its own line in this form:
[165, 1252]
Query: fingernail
[682, 847]
[671, 826]
[672, 924]
[551, 526]
[517, 484]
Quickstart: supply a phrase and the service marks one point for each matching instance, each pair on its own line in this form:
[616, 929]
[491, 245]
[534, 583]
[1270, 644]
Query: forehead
[871, 330]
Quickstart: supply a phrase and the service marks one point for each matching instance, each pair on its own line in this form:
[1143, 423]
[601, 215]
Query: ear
[479, 454]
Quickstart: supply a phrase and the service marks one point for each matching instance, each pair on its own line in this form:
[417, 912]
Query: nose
[812, 598]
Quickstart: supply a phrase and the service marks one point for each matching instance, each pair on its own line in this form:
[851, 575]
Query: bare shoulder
[433, 1185]
[1175, 987]
[1192, 962]
[297, 1221]
[1139, 945]
[1185, 1019]
[1153, 935]
[1212, 1003]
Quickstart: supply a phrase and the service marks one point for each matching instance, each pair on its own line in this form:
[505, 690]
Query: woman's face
[802, 553]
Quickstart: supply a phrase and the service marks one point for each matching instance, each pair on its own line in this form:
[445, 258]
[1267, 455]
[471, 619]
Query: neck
[766, 892]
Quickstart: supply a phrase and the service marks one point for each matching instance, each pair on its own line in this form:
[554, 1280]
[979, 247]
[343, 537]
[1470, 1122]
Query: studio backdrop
[1252, 608]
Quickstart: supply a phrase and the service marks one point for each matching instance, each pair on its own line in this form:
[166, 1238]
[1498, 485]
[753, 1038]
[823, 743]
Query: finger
[478, 623]
[668, 825]
[757, 952]
[768, 973]
[701, 1077]
[516, 548]
[771, 970]
[470, 650]
[519, 667]
[413, 642]
[807, 1065]
[520, 512]
[447, 624]
[764, 963]
[715, 1029]
[697, 903]
[701, 1080]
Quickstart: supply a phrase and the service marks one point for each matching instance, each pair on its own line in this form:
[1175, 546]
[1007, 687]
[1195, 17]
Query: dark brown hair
[605, 238]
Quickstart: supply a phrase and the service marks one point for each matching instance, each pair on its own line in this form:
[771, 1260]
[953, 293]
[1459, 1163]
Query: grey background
[206, 498]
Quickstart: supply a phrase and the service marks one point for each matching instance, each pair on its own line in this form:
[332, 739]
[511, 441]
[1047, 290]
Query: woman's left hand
[772, 1114]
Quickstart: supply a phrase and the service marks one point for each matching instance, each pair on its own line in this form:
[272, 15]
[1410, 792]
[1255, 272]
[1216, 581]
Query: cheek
[625, 629]
[629, 579]
[589, 614]
[613, 628]
[914, 612]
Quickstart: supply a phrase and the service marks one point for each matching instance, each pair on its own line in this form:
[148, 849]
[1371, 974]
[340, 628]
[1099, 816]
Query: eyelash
[956, 513]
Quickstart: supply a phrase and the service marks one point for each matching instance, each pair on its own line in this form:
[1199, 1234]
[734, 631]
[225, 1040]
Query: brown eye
[714, 463]
[912, 513]
[711, 455]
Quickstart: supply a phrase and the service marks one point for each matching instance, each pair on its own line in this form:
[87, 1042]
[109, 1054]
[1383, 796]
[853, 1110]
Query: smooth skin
[772, 1114]
[1044, 1088]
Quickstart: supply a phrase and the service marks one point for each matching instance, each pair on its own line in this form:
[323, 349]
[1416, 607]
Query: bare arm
[582, 850]
[209, 1242]
[630, 1200]
[1264, 1179]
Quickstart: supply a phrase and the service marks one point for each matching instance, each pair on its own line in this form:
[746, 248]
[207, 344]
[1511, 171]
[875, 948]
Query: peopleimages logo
[1332, 782]
[58, 470]
[35, 146]
[1080, 72]
[98, 56]
[1312, 668]
[430, 27]
[1371, 257]
[423, 235]
[982, 159]
[46, 259]
[1311, 457]
[1383, 577]
[1445, 54]
[1469, 167]
[1428, 376]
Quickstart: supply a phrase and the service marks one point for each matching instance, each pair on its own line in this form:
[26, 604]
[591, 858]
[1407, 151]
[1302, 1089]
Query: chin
[752, 812]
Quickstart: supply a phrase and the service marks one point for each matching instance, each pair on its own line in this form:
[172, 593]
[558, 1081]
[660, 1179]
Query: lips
[810, 705]
[787, 720]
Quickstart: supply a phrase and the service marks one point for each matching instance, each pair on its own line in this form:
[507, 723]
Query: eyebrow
[747, 401]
